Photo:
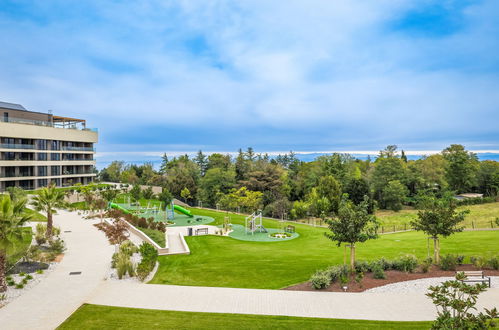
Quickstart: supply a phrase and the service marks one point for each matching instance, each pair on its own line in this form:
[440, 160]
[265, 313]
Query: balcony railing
[16, 146]
[17, 120]
[78, 149]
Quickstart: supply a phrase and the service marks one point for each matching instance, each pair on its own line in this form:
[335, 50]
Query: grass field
[480, 216]
[106, 317]
[226, 262]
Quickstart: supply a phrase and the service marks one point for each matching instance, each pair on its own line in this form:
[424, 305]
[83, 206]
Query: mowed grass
[107, 317]
[226, 262]
[480, 216]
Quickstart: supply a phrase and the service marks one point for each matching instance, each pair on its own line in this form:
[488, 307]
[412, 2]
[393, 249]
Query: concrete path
[369, 306]
[54, 299]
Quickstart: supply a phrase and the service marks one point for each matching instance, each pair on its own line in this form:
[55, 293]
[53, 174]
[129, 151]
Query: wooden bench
[202, 231]
[289, 229]
[476, 276]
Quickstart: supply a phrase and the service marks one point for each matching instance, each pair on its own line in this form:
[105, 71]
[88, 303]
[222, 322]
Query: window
[41, 144]
[42, 156]
[55, 170]
[55, 156]
[42, 170]
[56, 145]
[6, 117]
[42, 182]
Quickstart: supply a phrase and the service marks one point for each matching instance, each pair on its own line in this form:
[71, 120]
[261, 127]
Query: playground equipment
[183, 211]
[117, 207]
[253, 223]
[170, 214]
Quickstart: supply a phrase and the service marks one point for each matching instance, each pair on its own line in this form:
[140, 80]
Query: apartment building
[38, 148]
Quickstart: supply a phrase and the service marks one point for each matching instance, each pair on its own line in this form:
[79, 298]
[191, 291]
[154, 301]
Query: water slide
[117, 207]
[182, 210]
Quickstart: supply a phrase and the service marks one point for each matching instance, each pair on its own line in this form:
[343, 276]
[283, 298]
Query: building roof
[12, 106]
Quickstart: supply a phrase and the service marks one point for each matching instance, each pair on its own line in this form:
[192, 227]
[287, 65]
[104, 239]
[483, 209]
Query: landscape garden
[336, 224]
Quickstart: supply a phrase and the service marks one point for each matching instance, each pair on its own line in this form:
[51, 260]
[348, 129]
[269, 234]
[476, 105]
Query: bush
[142, 222]
[57, 246]
[320, 280]
[359, 277]
[407, 263]
[337, 272]
[494, 262]
[378, 272]
[362, 267]
[40, 239]
[426, 264]
[128, 248]
[39, 271]
[448, 262]
[460, 259]
[29, 277]
[143, 270]
[11, 282]
[19, 286]
[479, 262]
[124, 265]
[149, 253]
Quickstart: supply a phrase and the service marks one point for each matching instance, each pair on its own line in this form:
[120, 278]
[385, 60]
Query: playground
[254, 230]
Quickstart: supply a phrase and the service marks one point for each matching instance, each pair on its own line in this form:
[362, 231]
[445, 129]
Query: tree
[136, 192]
[113, 171]
[461, 168]
[394, 195]
[488, 178]
[215, 181]
[330, 188]
[148, 193]
[438, 217]
[109, 194]
[387, 169]
[403, 157]
[455, 301]
[164, 164]
[186, 195]
[165, 196]
[48, 200]
[12, 220]
[299, 210]
[353, 225]
[201, 161]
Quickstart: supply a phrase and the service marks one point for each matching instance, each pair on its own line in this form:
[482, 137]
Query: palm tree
[48, 200]
[12, 220]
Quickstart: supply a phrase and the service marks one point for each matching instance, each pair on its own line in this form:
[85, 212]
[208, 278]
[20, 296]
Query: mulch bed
[28, 267]
[392, 276]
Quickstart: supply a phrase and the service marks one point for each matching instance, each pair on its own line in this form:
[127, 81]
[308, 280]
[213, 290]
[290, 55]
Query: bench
[476, 276]
[202, 231]
[289, 229]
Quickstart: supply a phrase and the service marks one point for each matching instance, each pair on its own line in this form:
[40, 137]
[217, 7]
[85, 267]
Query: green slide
[182, 210]
[117, 207]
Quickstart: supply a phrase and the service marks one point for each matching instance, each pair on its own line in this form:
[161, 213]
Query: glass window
[55, 170]
[41, 144]
[55, 156]
[42, 156]
[42, 170]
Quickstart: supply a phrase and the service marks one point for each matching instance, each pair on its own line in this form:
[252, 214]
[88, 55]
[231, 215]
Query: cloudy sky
[305, 75]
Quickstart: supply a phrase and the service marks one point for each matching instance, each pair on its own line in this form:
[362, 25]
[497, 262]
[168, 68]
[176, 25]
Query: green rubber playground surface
[239, 232]
[180, 220]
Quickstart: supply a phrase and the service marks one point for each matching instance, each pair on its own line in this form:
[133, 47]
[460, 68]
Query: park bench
[476, 276]
[289, 229]
[203, 231]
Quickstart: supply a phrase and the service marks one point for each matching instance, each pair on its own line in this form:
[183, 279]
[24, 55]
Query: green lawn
[106, 317]
[226, 262]
[480, 216]
[155, 235]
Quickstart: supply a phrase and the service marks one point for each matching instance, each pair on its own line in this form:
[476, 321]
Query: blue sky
[175, 76]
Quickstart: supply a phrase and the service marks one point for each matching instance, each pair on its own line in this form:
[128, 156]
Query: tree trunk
[3, 261]
[436, 250]
[352, 257]
[48, 233]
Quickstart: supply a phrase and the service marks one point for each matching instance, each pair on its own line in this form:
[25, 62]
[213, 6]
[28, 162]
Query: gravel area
[13, 293]
[420, 285]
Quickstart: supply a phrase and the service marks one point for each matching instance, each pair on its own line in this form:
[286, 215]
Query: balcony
[16, 146]
[58, 122]
[78, 149]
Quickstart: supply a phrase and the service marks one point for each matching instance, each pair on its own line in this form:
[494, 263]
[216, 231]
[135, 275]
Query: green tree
[12, 220]
[148, 193]
[48, 200]
[353, 225]
[461, 169]
[109, 194]
[136, 192]
[165, 196]
[202, 162]
[488, 178]
[215, 181]
[330, 188]
[394, 195]
[299, 210]
[387, 169]
[164, 164]
[185, 194]
[438, 217]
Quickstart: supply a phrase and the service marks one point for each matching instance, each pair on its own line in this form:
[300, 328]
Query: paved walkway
[369, 306]
[54, 299]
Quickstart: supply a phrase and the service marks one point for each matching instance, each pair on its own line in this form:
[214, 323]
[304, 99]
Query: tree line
[284, 186]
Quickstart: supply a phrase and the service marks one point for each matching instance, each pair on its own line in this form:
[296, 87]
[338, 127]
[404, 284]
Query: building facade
[39, 148]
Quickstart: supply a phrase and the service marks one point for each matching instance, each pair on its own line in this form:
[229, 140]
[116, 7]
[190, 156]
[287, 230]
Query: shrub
[40, 239]
[11, 283]
[379, 273]
[149, 253]
[320, 280]
[407, 263]
[426, 264]
[336, 272]
[114, 260]
[494, 262]
[448, 262]
[124, 265]
[128, 248]
[142, 223]
[24, 281]
[19, 286]
[143, 270]
[479, 262]
[39, 271]
[32, 254]
[460, 259]
[29, 277]
[57, 246]
[362, 267]
[22, 274]
[8, 278]
[359, 277]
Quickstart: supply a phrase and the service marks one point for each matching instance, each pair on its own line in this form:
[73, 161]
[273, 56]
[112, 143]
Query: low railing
[78, 149]
[16, 120]
[16, 146]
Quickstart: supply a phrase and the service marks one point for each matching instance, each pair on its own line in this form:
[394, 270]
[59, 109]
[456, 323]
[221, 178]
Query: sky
[176, 76]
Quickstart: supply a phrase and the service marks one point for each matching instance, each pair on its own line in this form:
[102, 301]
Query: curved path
[51, 301]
